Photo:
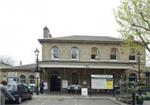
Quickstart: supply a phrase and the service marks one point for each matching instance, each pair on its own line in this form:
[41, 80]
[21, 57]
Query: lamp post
[138, 64]
[37, 71]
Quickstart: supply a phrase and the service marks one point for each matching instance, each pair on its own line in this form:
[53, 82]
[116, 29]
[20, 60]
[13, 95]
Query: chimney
[46, 33]
[20, 63]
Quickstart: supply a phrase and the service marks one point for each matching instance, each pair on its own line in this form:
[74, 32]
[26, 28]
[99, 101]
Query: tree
[134, 20]
[6, 60]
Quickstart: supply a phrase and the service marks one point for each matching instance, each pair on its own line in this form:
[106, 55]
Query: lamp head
[36, 52]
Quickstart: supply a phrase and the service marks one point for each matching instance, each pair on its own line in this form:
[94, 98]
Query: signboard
[11, 79]
[12, 74]
[64, 83]
[109, 84]
[84, 92]
[37, 75]
[45, 85]
[102, 81]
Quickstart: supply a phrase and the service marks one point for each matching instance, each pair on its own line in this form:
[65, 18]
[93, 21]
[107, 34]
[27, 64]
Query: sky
[22, 23]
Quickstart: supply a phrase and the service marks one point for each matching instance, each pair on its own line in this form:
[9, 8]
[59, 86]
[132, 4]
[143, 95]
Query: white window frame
[116, 54]
[132, 53]
[52, 53]
[93, 49]
[76, 53]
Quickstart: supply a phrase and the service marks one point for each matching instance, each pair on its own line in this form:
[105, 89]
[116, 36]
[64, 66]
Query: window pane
[131, 57]
[93, 56]
[94, 53]
[55, 52]
[132, 54]
[22, 79]
[74, 53]
[32, 79]
[75, 78]
[113, 55]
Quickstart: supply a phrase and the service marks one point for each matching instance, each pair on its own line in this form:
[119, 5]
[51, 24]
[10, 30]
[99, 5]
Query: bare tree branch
[143, 41]
[6, 60]
[145, 19]
[134, 25]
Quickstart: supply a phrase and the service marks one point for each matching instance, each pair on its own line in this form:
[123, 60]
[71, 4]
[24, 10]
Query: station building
[22, 74]
[97, 63]
[76, 61]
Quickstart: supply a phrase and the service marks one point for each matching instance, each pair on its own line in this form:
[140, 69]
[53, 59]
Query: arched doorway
[132, 77]
[55, 82]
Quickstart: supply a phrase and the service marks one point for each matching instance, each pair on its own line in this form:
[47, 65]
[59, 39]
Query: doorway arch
[55, 82]
[132, 77]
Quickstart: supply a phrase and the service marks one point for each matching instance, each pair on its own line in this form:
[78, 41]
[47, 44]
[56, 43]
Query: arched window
[114, 54]
[55, 53]
[74, 53]
[94, 53]
[132, 77]
[23, 79]
[32, 79]
[75, 78]
[132, 54]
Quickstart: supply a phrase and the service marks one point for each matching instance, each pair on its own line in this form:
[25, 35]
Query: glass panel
[74, 53]
[55, 52]
[113, 55]
[132, 54]
[32, 79]
[22, 79]
[75, 78]
[94, 53]
[131, 57]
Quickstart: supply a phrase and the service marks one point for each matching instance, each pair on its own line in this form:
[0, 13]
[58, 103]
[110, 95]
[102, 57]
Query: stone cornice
[78, 41]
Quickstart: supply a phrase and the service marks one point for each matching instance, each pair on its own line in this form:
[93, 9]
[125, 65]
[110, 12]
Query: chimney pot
[46, 33]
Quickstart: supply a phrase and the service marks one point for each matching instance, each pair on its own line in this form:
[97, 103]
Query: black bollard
[133, 99]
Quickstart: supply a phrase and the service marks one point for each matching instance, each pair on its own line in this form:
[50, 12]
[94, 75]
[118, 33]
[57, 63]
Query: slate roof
[95, 38]
[81, 39]
[4, 66]
[22, 67]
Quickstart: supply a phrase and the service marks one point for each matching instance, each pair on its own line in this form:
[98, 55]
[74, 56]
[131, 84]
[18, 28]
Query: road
[67, 101]
[54, 100]
[146, 102]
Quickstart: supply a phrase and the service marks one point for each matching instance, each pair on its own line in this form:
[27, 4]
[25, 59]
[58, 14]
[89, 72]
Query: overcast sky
[22, 23]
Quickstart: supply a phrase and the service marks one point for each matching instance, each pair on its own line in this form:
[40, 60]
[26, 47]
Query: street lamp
[138, 64]
[37, 71]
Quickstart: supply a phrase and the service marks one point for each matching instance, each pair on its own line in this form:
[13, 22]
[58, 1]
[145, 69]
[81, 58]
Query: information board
[84, 92]
[64, 83]
[101, 81]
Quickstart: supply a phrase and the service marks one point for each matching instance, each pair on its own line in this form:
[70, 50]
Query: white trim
[84, 66]
[52, 53]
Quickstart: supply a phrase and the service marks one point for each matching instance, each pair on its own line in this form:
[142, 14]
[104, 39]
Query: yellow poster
[109, 84]
[38, 81]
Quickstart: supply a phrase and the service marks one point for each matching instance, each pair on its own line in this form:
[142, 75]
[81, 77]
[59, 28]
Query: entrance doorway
[132, 77]
[55, 82]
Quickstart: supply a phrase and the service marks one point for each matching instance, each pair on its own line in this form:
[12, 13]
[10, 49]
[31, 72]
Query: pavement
[72, 96]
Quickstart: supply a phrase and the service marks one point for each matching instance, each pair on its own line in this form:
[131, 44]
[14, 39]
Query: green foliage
[130, 87]
[134, 21]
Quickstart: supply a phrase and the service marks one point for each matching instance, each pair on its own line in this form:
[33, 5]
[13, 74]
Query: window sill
[55, 59]
[74, 59]
[114, 60]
